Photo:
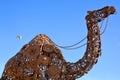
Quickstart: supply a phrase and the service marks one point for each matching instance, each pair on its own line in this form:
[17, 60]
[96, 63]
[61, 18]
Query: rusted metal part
[40, 59]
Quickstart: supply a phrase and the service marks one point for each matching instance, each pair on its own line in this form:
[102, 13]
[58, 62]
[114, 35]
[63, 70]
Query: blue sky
[64, 22]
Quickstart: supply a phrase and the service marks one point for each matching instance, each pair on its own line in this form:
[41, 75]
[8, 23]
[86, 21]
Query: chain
[72, 47]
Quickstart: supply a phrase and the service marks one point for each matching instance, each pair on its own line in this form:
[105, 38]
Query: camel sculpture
[41, 59]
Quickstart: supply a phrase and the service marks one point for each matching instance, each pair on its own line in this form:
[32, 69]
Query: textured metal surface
[40, 59]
